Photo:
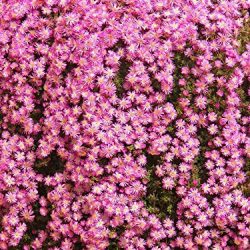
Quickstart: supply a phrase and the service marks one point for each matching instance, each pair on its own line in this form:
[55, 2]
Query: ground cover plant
[124, 124]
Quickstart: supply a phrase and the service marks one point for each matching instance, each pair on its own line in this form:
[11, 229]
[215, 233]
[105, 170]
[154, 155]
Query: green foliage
[246, 186]
[78, 246]
[123, 69]
[171, 129]
[155, 83]
[224, 70]
[179, 60]
[113, 242]
[213, 98]
[50, 165]
[158, 201]
[118, 45]
[244, 39]
[113, 245]
[245, 111]
[121, 75]
[245, 100]
[39, 223]
[244, 36]
[15, 128]
[199, 172]
[69, 67]
[36, 115]
[131, 148]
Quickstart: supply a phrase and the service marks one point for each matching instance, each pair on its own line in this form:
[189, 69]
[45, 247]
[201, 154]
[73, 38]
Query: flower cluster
[124, 124]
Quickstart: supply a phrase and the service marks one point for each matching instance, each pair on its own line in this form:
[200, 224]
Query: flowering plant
[124, 124]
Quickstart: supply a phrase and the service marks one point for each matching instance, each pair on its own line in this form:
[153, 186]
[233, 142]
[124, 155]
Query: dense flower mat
[124, 124]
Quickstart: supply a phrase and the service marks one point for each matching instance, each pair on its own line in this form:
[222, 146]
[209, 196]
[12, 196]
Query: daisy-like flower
[72, 18]
[168, 183]
[201, 102]
[11, 197]
[213, 129]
